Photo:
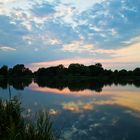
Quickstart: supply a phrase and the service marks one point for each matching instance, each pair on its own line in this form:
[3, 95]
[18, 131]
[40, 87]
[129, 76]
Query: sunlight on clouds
[128, 54]
[50, 39]
[77, 46]
[46, 38]
[53, 112]
[77, 107]
[66, 62]
[129, 99]
[81, 47]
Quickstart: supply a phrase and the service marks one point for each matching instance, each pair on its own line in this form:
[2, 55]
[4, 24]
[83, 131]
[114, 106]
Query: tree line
[18, 70]
[95, 70]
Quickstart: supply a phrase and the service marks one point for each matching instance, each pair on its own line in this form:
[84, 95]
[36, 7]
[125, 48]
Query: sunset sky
[42, 33]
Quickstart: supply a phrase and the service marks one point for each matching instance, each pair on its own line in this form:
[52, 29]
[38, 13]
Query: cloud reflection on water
[109, 96]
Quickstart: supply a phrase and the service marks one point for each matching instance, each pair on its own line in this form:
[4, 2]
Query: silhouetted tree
[107, 72]
[123, 72]
[136, 72]
[99, 65]
[4, 70]
[51, 71]
[96, 70]
[20, 70]
[78, 69]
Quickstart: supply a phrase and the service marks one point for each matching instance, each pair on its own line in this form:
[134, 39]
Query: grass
[14, 127]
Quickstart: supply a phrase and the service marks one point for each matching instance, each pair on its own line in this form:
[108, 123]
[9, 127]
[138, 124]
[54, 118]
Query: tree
[99, 65]
[136, 72]
[96, 70]
[78, 69]
[20, 70]
[4, 70]
[123, 72]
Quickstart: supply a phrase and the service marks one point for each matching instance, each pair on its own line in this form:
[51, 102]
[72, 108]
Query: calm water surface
[111, 114]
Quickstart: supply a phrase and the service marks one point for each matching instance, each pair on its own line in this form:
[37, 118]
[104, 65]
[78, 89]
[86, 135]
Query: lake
[90, 111]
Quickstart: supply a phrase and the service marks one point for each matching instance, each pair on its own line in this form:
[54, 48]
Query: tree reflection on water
[73, 85]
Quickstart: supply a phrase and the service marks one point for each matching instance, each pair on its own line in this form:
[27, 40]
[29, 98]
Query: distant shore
[73, 72]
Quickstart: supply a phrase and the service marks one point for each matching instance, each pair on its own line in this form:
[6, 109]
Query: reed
[14, 127]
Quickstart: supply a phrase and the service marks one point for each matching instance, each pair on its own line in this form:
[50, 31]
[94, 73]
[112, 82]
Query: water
[90, 111]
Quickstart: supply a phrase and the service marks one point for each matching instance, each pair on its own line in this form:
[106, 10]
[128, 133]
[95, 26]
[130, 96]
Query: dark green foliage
[14, 127]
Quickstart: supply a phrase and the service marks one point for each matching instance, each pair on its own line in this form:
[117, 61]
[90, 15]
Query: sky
[43, 33]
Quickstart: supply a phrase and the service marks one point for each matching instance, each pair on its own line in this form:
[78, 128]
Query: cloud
[77, 107]
[6, 48]
[82, 5]
[120, 57]
[66, 62]
[77, 46]
[81, 47]
[65, 15]
[125, 99]
[50, 39]
[129, 53]
[99, 29]
[10, 7]
[131, 41]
